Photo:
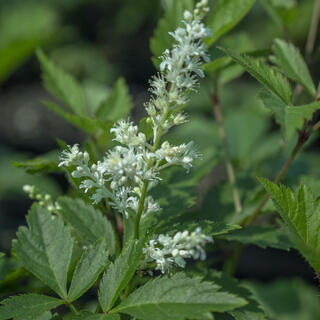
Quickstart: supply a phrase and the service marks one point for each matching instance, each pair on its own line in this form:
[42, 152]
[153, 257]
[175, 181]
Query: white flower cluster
[44, 199]
[129, 170]
[168, 251]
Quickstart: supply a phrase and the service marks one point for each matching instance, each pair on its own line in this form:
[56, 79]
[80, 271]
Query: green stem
[72, 307]
[313, 28]
[146, 183]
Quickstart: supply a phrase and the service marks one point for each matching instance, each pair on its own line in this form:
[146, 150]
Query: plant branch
[313, 28]
[72, 307]
[230, 170]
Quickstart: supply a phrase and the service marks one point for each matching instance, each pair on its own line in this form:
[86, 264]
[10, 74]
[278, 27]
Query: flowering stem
[146, 183]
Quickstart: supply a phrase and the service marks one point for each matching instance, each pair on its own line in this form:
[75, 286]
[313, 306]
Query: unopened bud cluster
[44, 199]
[168, 251]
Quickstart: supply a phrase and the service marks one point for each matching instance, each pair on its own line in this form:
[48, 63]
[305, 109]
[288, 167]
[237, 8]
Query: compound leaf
[177, 298]
[27, 306]
[45, 248]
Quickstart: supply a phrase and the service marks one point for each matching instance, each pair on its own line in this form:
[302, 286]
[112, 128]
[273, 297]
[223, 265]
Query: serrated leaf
[84, 123]
[251, 311]
[45, 248]
[27, 306]
[88, 222]
[301, 212]
[92, 263]
[177, 298]
[118, 275]
[62, 85]
[226, 15]
[289, 59]
[262, 236]
[161, 39]
[117, 105]
[272, 79]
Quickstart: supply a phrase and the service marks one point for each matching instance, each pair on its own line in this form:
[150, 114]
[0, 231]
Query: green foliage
[89, 223]
[288, 58]
[117, 105]
[225, 16]
[118, 275]
[251, 311]
[300, 211]
[177, 297]
[45, 248]
[262, 236]
[98, 316]
[272, 79]
[161, 40]
[287, 299]
[44, 163]
[62, 85]
[27, 306]
[92, 263]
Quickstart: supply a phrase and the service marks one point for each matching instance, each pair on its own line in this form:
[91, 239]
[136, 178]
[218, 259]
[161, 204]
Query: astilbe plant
[129, 241]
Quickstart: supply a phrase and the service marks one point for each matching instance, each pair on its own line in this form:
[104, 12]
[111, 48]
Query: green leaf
[262, 236]
[271, 78]
[287, 299]
[27, 306]
[177, 298]
[84, 123]
[288, 58]
[226, 15]
[88, 222]
[161, 39]
[118, 275]
[92, 263]
[44, 163]
[117, 105]
[290, 118]
[301, 212]
[62, 85]
[45, 248]
[251, 311]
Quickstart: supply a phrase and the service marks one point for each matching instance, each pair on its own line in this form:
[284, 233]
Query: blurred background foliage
[101, 43]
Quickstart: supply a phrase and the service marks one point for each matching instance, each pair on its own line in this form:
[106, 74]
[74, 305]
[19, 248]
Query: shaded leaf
[289, 59]
[117, 105]
[27, 306]
[45, 248]
[262, 236]
[118, 275]
[177, 297]
[92, 263]
[62, 85]
[226, 15]
[97, 316]
[88, 222]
